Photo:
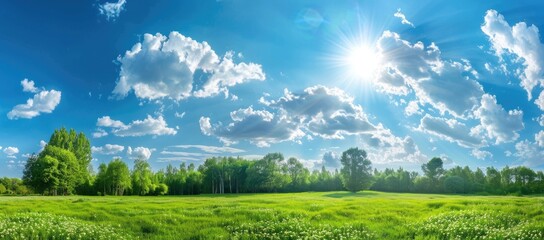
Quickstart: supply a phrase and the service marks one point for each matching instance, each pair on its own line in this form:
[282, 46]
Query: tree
[2, 189]
[118, 176]
[141, 178]
[265, 174]
[433, 170]
[80, 146]
[356, 170]
[296, 172]
[101, 181]
[454, 184]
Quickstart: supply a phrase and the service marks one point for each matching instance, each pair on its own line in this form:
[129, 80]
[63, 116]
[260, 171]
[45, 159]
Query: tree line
[64, 168]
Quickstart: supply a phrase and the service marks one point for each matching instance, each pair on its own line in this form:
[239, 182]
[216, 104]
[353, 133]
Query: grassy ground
[368, 214]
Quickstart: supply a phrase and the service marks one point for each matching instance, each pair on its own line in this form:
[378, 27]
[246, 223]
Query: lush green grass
[366, 215]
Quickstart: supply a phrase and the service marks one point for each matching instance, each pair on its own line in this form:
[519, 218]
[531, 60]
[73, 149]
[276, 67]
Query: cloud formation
[402, 17]
[211, 149]
[112, 10]
[450, 130]
[139, 152]
[42, 102]
[415, 68]
[149, 126]
[496, 123]
[11, 151]
[164, 67]
[108, 149]
[28, 86]
[328, 113]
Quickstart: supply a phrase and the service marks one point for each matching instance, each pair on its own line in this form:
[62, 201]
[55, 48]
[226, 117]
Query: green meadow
[314, 215]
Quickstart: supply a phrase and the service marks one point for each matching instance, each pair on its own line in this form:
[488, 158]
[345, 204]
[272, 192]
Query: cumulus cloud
[28, 86]
[112, 10]
[42, 145]
[539, 138]
[521, 40]
[530, 153]
[328, 113]
[140, 152]
[450, 130]
[331, 159]
[100, 133]
[402, 17]
[164, 67]
[149, 126]
[108, 149]
[496, 123]
[211, 149]
[42, 102]
[259, 127]
[481, 154]
[412, 109]
[445, 85]
[11, 151]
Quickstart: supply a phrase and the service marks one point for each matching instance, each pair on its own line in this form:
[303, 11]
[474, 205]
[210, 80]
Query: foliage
[296, 228]
[477, 225]
[62, 167]
[356, 170]
[141, 178]
[385, 215]
[49, 226]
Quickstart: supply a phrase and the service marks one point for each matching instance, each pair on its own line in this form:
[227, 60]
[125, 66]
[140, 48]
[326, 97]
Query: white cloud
[180, 115]
[11, 151]
[112, 10]
[530, 153]
[328, 113]
[106, 121]
[539, 138]
[496, 122]
[450, 130]
[402, 17]
[540, 120]
[412, 109]
[100, 133]
[42, 102]
[481, 154]
[520, 40]
[164, 67]
[331, 159]
[42, 145]
[140, 152]
[28, 86]
[211, 149]
[259, 127]
[108, 149]
[325, 112]
[149, 126]
[445, 85]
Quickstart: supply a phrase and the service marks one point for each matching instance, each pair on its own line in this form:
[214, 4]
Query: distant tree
[101, 183]
[433, 170]
[118, 175]
[297, 173]
[356, 170]
[142, 178]
[266, 174]
[2, 189]
[161, 189]
[454, 184]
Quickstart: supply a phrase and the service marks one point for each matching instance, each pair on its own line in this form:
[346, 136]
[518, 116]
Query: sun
[362, 61]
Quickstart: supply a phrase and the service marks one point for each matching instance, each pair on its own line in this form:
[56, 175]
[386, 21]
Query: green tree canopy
[356, 170]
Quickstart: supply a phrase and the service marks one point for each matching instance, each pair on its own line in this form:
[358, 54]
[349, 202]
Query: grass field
[324, 215]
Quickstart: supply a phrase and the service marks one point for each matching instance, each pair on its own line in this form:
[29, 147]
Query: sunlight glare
[362, 62]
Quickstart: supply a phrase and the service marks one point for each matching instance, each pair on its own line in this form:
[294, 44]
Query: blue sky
[180, 81]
